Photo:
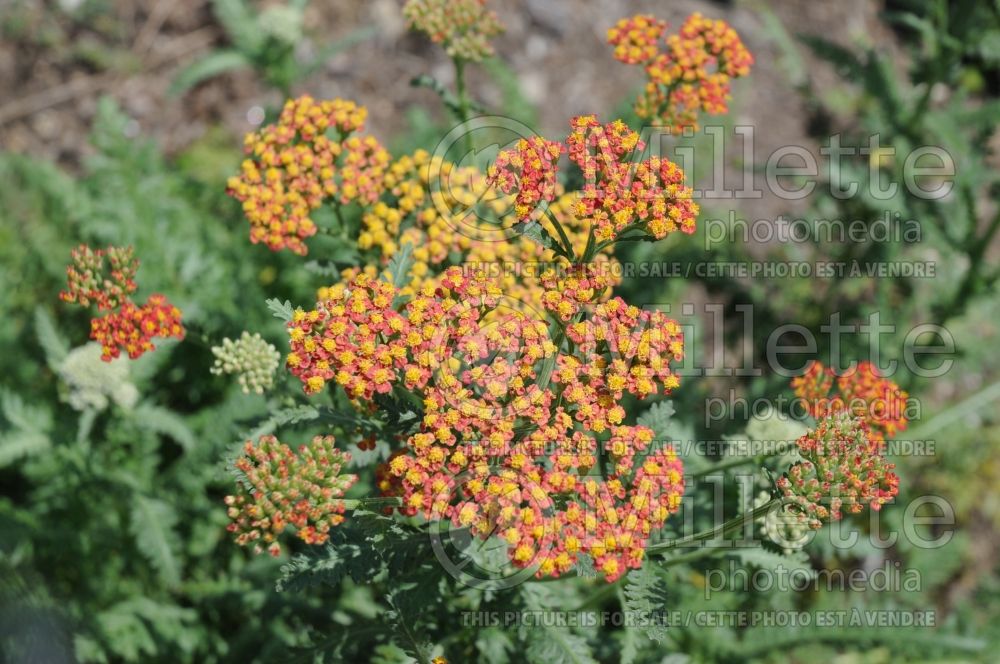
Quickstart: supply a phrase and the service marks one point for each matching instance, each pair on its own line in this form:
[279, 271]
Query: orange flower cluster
[635, 38]
[87, 281]
[861, 390]
[618, 195]
[302, 489]
[132, 327]
[691, 74]
[442, 211]
[530, 170]
[843, 469]
[295, 165]
[464, 27]
[360, 342]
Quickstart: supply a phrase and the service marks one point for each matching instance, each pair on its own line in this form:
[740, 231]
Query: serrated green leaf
[152, 524]
[761, 558]
[646, 595]
[240, 25]
[162, 421]
[55, 347]
[20, 444]
[208, 67]
[400, 264]
[659, 418]
[281, 310]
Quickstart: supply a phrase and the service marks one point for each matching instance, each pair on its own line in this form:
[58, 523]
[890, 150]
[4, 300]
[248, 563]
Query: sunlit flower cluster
[689, 73]
[843, 470]
[862, 390]
[284, 487]
[360, 342]
[132, 328]
[442, 211]
[619, 194]
[127, 326]
[636, 38]
[251, 358]
[529, 169]
[463, 27]
[311, 155]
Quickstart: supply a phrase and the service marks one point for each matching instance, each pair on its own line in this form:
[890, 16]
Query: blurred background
[120, 122]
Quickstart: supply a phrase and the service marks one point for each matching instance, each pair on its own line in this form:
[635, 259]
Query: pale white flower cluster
[93, 383]
[251, 358]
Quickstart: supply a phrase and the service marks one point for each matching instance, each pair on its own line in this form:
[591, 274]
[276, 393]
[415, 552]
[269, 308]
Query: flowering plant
[490, 401]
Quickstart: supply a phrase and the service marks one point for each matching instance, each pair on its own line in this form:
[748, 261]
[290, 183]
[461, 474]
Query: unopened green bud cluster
[251, 358]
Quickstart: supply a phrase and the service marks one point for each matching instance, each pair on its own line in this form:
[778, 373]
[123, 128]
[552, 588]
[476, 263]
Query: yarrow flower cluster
[843, 469]
[128, 326]
[861, 390]
[295, 165]
[284, 488]
[485, 403]
[89, 284]
[463, 27]
[690, 72]
[619, 195]
[94, 384]
[441, 211]
[252, 359]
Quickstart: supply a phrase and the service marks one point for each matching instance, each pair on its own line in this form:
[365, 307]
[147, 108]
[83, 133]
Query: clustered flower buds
[618, 195]
[294, 166]
[843, 469]
[131, 327]
[94, 384]
[690, 72]
[302, 489]
[88, 282]
[463, 27]
[252, 359]
[861, 390]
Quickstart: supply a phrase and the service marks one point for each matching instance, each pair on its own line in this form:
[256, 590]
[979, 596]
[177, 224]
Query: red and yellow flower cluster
[689, 73]
[463, 27]
[619, 194]
[295, 165]
[132, 327]
[861, 390]
[843, 469]
[506, 445]
[302, 489]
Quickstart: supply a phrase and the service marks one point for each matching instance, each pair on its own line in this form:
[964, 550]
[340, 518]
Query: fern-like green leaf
[646, 597]
[55, 347]
[152, 526]
[554, 645]
[400, 264]
[208, 67]
[659, 418]
[19, 444]
[793, 563]
[281, 310]
[162, 421]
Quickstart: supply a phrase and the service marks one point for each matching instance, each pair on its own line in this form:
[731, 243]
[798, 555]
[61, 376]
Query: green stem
[379, 501]
[463, 102]
[719, 531]
[727, 465]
